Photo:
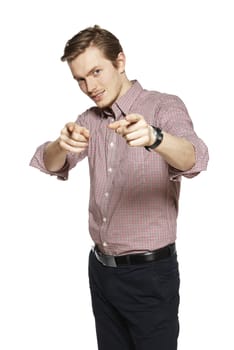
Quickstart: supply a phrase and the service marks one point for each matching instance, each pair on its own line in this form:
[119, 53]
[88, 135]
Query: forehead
[86, 61]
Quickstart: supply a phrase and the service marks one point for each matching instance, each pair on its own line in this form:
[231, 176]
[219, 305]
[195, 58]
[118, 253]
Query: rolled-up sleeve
[173, 118]
[37, 161]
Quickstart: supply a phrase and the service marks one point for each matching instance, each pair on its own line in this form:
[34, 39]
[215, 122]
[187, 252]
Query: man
[139, 143]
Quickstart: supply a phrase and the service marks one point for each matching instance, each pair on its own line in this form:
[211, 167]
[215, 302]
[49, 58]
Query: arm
[177, 151]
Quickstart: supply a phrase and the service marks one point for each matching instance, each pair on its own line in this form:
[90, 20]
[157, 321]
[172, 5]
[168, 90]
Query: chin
[103, 104]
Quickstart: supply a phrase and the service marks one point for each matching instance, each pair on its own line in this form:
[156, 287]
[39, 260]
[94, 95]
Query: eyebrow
[89, 72]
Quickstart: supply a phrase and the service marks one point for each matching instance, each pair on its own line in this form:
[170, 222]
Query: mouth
[97, 97]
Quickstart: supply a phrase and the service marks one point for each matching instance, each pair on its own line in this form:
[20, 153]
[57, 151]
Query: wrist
[59, 147]
[156, 139]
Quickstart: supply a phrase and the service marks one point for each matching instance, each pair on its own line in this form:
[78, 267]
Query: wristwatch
[159, 137]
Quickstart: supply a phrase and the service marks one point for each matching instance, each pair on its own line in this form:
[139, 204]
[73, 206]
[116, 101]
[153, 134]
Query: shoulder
[159, 98]
[156, 101]
[162, 98]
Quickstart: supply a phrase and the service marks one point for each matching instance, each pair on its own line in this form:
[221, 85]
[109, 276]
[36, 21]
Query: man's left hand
[135, 130]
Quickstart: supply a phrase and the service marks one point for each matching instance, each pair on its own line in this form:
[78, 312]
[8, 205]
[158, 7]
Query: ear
[120, 62]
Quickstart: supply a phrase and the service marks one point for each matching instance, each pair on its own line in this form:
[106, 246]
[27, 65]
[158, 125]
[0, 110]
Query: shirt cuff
[201, 160]
[37, 161]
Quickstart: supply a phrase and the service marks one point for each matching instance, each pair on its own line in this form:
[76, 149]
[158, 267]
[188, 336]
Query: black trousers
[135, 307]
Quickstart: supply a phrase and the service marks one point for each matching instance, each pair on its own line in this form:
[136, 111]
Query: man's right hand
[74, 138]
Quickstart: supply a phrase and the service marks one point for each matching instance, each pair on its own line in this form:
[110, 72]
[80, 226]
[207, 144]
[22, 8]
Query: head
[97, 62]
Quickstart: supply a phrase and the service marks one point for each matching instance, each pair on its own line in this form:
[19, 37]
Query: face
[98, 78]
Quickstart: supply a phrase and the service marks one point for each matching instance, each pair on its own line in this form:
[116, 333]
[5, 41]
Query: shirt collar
[123, 104]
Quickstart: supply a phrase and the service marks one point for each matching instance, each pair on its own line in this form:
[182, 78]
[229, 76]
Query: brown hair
[95, 36]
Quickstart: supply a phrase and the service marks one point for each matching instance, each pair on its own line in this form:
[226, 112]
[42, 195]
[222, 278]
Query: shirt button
[107, 194]
[109, 170]
[104, 219]
[104, 244]
[112, 144]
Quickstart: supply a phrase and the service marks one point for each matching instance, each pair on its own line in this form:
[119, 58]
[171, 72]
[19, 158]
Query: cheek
[106, 81]
[111, 81]
[115, 85]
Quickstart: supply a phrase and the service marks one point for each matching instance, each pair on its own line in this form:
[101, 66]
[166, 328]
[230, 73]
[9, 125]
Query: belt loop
[172, 248]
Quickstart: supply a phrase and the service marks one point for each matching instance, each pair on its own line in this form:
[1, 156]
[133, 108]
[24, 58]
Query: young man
[139, 143]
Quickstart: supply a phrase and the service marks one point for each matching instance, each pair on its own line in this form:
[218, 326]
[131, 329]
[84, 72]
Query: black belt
[132, 259]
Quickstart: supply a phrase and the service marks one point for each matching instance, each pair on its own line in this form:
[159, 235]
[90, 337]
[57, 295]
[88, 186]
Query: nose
[91, 85]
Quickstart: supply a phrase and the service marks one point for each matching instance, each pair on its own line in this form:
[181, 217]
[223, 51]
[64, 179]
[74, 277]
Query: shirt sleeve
[72, 159]
[174, 119]
[37, 161]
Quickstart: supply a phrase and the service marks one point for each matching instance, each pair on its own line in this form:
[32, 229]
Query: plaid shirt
[134, 193]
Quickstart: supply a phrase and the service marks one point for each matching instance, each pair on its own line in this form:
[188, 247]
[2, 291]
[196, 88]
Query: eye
[97, 72]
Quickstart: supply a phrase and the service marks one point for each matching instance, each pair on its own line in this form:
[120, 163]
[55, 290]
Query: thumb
[114, 125]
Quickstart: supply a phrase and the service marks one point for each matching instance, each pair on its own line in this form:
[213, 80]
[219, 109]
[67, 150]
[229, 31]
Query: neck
[126, 84]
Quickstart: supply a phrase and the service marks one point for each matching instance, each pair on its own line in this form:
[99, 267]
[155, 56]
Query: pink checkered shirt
[134, 193]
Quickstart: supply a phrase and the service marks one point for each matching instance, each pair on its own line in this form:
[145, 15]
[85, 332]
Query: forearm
[177, 152]
[54, 156]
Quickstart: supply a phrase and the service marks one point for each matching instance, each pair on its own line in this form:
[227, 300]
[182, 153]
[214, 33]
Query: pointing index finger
[119, 123]
[74, 128]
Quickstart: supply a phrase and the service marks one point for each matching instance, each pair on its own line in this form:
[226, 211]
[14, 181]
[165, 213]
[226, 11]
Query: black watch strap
[159, 138]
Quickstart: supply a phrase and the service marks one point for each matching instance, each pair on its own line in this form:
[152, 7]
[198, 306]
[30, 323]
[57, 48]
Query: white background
[179, 47]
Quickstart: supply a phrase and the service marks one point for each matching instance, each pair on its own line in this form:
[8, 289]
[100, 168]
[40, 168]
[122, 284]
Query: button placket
[112, 160]
[110, 166]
